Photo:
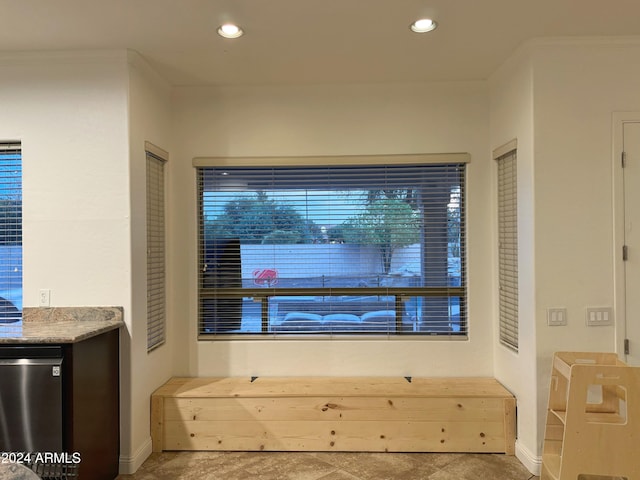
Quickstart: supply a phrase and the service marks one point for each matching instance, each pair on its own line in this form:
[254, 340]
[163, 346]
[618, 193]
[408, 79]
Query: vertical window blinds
[10, 232]
[156, 275]
[508, 249]
[332, 250]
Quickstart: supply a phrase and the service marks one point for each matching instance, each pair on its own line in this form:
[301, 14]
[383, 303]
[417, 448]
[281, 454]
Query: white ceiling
[310, 41]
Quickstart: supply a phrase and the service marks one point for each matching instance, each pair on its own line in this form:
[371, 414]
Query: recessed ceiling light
[229, 30]
[423, 25]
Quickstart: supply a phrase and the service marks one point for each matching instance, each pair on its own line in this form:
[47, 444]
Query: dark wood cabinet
[91, 404]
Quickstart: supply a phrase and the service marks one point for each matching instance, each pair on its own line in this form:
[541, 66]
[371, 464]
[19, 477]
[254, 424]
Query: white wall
[578, 86]
[512, 118]
[326, 120]
[557, 97]
[345, 260]
[149, 120]
[70, 112]
[83, 118]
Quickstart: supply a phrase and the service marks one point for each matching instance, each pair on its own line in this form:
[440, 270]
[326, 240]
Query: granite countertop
[61, 324]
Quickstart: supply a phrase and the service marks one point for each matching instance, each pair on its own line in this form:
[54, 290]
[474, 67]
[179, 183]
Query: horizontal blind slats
[156, 274]
[508, 250]
[321, 228]
[10, 231]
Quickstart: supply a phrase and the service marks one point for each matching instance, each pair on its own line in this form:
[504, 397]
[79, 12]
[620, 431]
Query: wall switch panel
[599, 316]
[44, 297]
[556, 317]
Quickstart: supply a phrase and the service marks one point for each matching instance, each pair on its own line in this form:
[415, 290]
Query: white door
[631, 176]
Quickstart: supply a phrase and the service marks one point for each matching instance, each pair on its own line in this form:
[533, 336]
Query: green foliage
[407, 195]
[281, 237]
[388, 223]
[259, 220]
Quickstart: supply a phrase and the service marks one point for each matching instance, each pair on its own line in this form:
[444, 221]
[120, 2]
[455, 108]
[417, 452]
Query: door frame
[618, 121]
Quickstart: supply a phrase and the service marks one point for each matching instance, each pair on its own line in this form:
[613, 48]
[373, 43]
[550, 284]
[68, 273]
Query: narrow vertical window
[508, 248]
[10, 232]
[156, 274]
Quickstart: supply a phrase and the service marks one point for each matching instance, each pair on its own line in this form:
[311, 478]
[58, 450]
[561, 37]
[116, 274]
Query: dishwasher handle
[30, 361]
[31, 351]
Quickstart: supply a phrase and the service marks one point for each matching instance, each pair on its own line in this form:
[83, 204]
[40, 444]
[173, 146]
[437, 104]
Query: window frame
[9, 312]
[400, 293]
[507, 225]
[155, 161]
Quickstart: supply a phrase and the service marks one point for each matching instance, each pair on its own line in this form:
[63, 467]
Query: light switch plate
[599, 316]
[556, 317]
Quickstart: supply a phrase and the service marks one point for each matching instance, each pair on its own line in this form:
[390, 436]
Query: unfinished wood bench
[388, 414]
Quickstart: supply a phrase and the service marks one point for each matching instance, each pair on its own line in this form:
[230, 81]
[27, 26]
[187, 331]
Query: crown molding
[66, 57]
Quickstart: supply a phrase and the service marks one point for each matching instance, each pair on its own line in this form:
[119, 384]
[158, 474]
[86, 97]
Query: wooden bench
[388, 414]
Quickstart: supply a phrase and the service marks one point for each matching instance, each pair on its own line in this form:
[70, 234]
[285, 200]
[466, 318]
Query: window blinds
[508, 249]
[332, 250]
[10, 232]
[156, 275]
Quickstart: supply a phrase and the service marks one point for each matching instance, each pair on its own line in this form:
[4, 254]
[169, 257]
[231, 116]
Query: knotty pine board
[334, 414]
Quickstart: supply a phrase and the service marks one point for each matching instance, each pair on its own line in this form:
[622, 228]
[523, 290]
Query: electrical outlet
[44, 299]
[599, 316]
[556, 317]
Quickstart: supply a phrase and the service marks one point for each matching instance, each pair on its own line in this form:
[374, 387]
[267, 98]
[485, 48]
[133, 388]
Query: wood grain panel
[331, 408]
[335, 436]
[334, 414]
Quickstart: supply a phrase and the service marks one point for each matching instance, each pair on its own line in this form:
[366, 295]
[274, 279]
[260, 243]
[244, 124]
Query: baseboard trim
[129, 465]
[532, 462]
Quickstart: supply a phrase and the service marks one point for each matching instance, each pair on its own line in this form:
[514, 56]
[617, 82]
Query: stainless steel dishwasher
[31, 398]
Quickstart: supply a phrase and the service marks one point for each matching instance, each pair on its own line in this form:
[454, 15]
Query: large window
[332, 250]
[10, 232]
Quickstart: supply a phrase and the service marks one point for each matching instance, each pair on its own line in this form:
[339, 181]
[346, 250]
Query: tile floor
[329, 466]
